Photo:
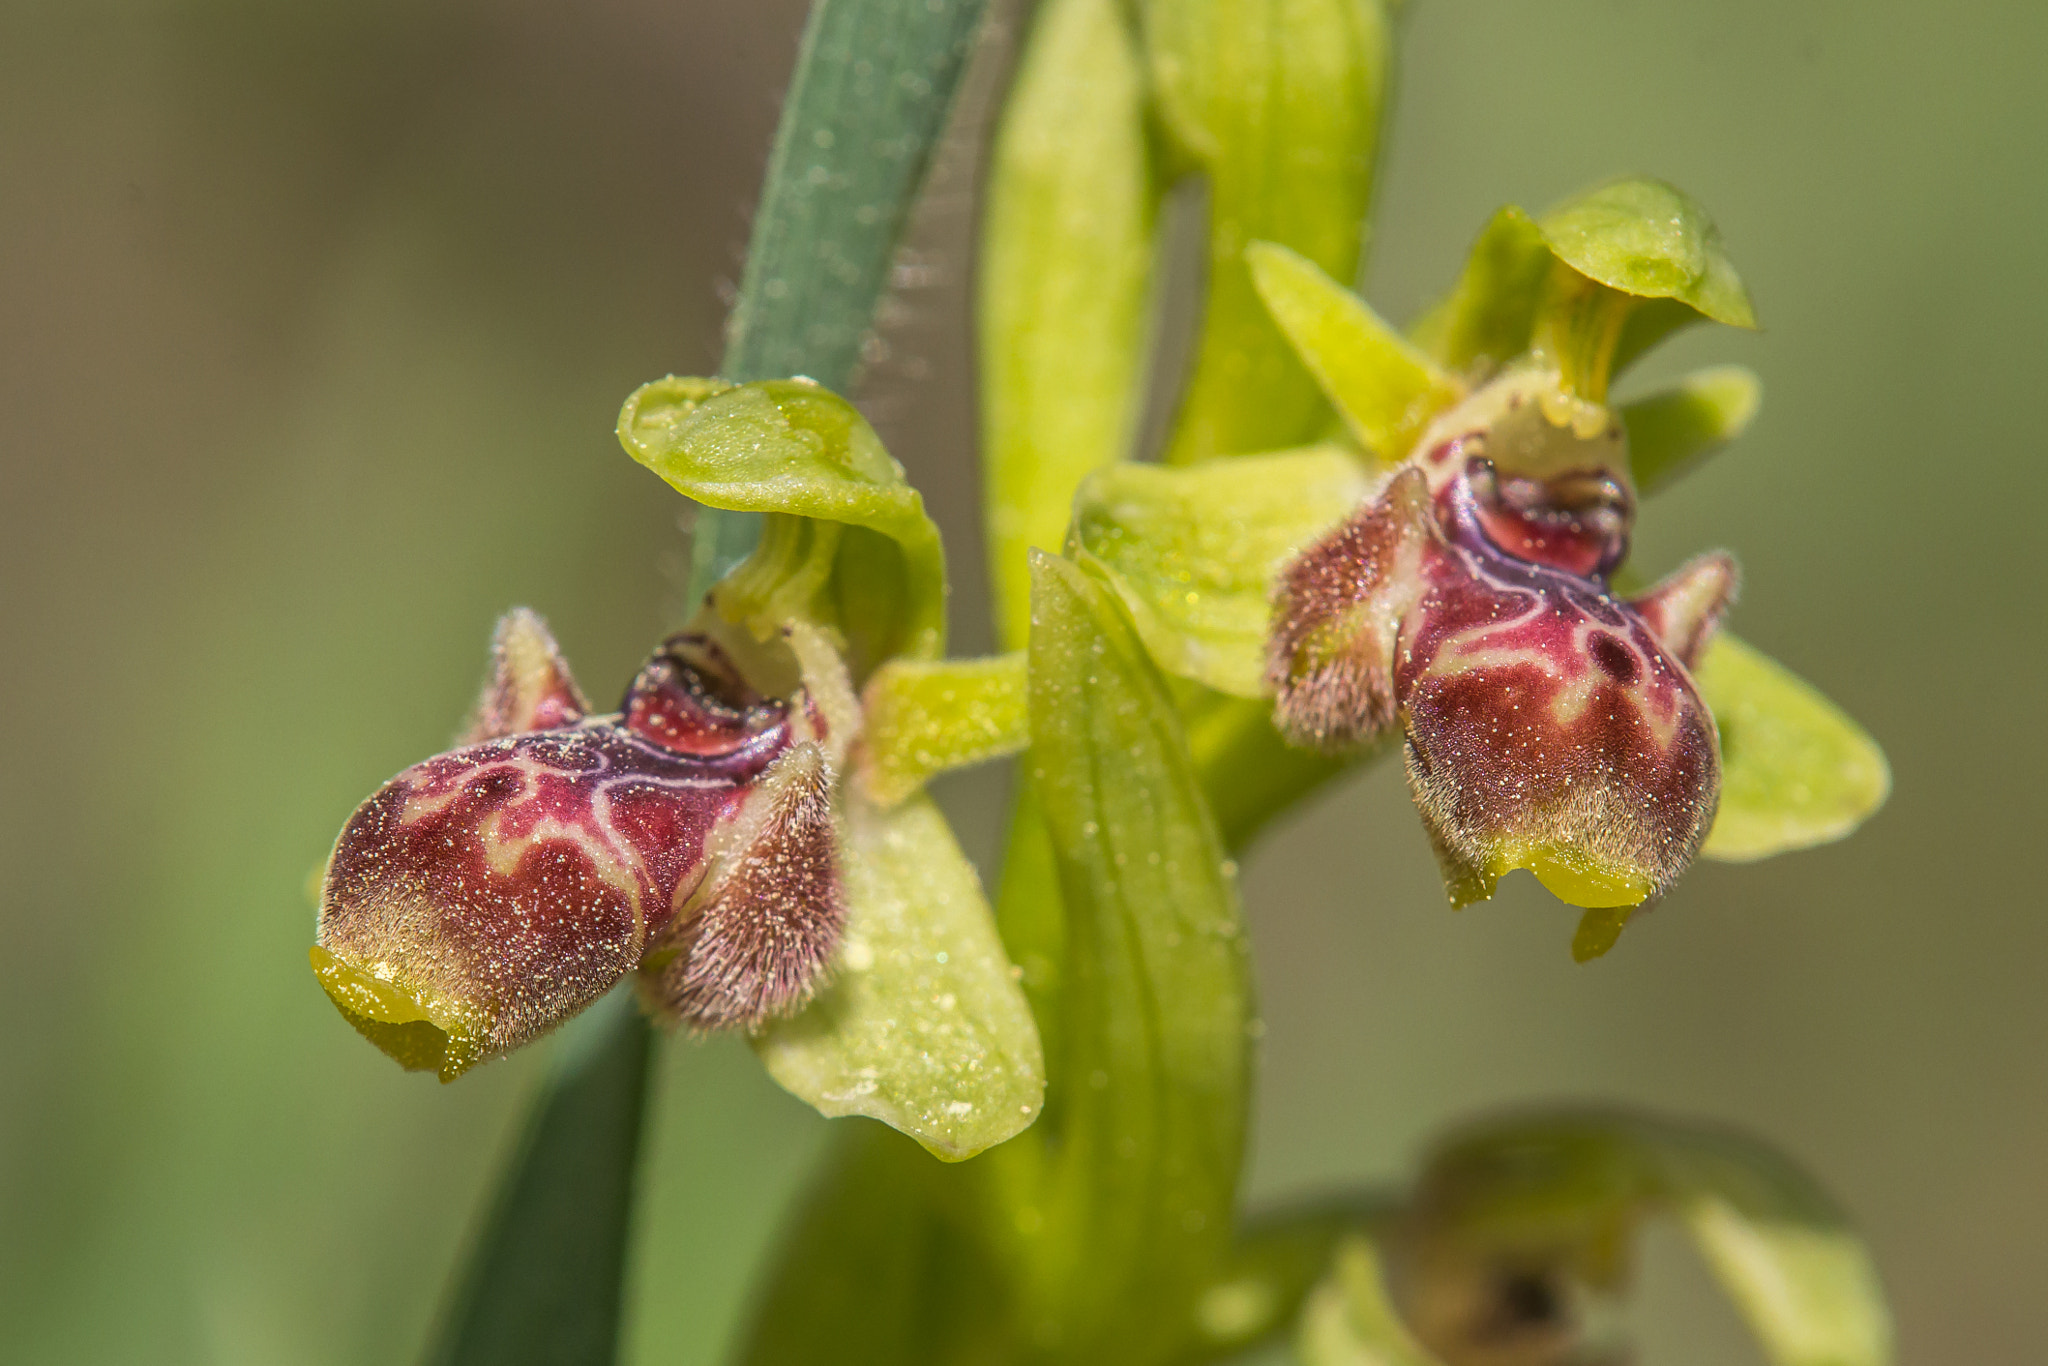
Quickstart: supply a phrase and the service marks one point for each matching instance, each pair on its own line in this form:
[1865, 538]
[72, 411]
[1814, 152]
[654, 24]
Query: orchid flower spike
[482, 897]
[1548, 723]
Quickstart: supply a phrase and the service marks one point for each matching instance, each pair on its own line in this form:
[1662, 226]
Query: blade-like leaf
[546, 1281]
[1065, 263]
[1249, 774]
[1672, 430]
[1795, 772]
[1386, 388]
[1155, 994]
[1193, 551]
[922, 1026]
[794, 449]
[925, 717]
[1278, 105]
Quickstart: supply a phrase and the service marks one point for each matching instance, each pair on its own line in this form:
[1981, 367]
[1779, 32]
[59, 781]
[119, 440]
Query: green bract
[923, 1025]
[1065, 266]
[1278, 107]
[1193, 552]
[850, 544]
[1796, 772]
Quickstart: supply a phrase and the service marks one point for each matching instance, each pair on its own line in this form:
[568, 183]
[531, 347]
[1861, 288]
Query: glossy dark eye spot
[1615, 659]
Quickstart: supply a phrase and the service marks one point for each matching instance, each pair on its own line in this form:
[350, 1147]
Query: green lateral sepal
[1795, 771]
[924, 717]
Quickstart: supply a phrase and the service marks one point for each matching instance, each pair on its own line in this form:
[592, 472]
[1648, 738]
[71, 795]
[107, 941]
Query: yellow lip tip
[398, 1025]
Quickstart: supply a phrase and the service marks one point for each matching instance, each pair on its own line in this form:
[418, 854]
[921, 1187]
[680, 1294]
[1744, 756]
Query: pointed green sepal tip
[1795, 771]
[1672, 430]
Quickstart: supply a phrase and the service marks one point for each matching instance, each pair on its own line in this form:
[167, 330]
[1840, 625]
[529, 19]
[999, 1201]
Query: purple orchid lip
[1548, 724]
[483, 896]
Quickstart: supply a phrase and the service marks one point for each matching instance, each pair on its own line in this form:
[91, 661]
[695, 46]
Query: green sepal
[1594, 283]
[1066, 260]
[1386, 388]
[1563, 1194]
[1193, 551]
[922, 1025]
[1673, 429]
[1155, 997]
[1278, 106]
[852, 545]
[1795, 772]
[924, 717]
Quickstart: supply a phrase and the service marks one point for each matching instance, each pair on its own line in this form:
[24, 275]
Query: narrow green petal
[1066, 259]
[1193, 551]
[1277, 104]
[1386, 388]
[925, 717]
[1672, 430]
[1488, 317]
[1154, 1001]
[1795, 772]
[791, 447]
[923, 1025]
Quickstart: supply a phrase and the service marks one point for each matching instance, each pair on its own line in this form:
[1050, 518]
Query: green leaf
[1386, 388]
[877, 1268]
[547, 1278]
[1562, 1194]
[923, 1025]
[1193, 551]
[1155, 998]
[1277, 103]
[1795, 772]
[874, 81]
[1651, 240]
[1349, 1319]
[1674, 429]
[870, 561]
[1066, 257]
[1488, 317]
[927, 716]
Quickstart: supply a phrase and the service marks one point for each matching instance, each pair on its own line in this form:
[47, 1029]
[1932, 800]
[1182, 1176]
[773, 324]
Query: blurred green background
[313, 324]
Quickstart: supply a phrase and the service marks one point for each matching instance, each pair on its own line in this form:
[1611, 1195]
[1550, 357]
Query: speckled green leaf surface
[1795, 772]
[1673, 429]
[1193, 551]
[922, 1025]
[1386, 388]
[799, 451]
[1154, 999]
[1066, 259]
